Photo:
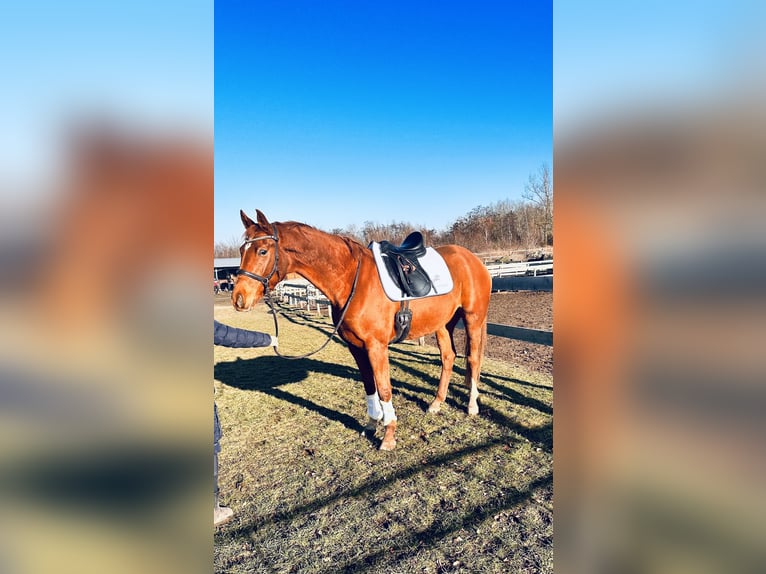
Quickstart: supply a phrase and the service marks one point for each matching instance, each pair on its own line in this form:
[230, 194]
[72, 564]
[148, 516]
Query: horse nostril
[240, 301]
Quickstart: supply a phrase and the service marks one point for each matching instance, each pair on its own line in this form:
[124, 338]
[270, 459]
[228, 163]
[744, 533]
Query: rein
[267, 293]
[267, 298]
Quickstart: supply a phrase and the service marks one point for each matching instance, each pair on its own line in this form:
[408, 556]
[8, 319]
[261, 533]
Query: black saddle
[403, 265]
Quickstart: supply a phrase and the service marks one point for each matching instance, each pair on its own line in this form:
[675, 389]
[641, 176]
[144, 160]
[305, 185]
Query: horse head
[259, 265]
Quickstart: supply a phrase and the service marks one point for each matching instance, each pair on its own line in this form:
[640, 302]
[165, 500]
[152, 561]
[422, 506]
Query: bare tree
[506, 224]
[228, 248]
[539, 191]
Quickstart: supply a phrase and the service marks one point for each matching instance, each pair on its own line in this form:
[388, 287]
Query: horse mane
[306, 230]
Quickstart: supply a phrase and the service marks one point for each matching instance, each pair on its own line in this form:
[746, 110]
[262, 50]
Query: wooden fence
[301, 293]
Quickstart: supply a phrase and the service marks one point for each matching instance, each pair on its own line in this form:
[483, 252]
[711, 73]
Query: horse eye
[262, 252]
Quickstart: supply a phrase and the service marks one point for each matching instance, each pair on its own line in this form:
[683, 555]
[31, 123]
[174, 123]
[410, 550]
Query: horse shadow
[426, 358]
[498, 383]
[458, 396]
[246, 374]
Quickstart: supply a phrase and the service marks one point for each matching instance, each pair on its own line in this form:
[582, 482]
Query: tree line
[502, 226]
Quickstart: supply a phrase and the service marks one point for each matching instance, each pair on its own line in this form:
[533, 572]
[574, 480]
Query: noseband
[259, 278]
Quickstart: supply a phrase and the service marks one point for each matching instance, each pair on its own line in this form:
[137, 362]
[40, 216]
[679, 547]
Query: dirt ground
[530, 309]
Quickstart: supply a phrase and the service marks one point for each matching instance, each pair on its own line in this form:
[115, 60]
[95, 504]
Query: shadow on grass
[364, 490]
[419, 540]
[415, 541]
[256, 375]
[513, 396]
[457, 398]
[542, 435]
[424, 357]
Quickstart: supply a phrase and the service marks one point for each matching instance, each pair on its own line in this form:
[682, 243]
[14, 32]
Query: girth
[402, 322]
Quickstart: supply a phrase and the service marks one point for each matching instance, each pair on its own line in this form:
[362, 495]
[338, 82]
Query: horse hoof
[434, 407]
[473, 411]
[388, 445]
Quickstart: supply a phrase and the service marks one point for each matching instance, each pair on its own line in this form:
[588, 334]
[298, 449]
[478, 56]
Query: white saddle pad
[432, 262]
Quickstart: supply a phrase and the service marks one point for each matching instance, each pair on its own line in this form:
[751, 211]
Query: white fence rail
[522, 268]
[301, 293]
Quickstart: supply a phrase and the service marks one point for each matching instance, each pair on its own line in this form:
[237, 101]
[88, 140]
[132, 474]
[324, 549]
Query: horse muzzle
[241, 299]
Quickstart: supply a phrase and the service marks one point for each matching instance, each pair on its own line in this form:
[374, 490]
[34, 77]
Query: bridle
[267, 292]
[259, 278]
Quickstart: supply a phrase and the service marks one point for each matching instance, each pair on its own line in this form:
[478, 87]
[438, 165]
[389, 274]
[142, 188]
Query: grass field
[311, 493]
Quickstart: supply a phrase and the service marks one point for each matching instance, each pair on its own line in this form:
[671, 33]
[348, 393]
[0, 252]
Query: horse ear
[246, 221]
[262, 221]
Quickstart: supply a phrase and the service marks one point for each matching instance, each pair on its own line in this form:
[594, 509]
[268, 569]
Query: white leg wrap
[473, 406]
[374, 411]
[474, 391]
[388, 412]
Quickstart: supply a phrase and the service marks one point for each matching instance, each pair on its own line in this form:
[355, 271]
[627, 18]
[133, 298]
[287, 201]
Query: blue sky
[336, 113]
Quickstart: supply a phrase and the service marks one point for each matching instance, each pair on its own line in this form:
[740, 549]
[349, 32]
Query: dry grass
[312, 494]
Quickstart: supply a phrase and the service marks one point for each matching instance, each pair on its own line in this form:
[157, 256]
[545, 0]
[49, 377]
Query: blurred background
[106, 188]
[660, 153]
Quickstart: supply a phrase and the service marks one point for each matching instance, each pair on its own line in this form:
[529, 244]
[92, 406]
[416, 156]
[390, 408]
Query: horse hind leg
[476, 340]
[446, 345]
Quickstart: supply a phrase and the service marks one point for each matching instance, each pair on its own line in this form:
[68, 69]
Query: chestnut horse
[336, 266]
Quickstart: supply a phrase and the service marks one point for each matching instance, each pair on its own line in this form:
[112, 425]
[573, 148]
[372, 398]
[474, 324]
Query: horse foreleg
[476, 332]
[374, 410]
[378, 356]
[447, 349]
